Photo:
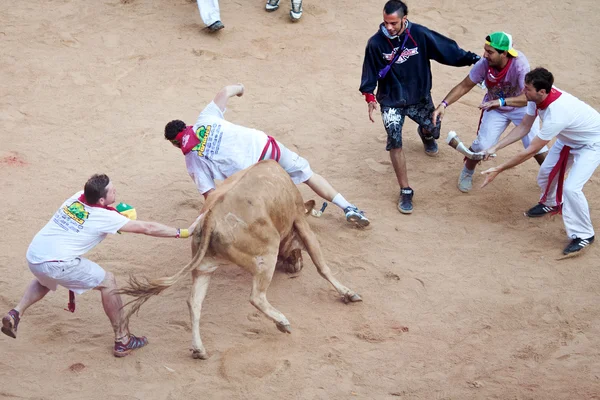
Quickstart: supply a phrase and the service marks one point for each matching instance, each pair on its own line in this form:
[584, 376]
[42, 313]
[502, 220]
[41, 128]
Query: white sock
[340, 201]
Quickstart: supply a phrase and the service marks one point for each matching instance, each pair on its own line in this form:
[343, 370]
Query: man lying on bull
[216, 149]
[55, 256]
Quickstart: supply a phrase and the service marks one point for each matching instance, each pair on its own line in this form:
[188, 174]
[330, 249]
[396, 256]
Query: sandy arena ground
[463, 299]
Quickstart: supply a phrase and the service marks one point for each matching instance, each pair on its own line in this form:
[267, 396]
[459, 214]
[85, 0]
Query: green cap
[123, 207]
[502, 41]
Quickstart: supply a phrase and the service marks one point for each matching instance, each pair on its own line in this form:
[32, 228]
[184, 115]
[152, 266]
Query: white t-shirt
[75, 229]
[574, 122]
[226, 148]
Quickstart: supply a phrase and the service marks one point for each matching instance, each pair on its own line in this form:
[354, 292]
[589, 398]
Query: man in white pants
[210, 14]
[576, 127]
[55, 257]
[503, 70]
[215, 148]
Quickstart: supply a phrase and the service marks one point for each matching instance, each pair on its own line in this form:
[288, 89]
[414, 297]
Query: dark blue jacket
[409, 79]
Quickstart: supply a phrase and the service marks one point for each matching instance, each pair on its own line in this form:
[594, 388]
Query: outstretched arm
[534, 147]
[158, 230]
[228, 91]
[517, 133]
[456, 93]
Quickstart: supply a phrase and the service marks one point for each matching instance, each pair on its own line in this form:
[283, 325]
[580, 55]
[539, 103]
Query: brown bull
[250, 220]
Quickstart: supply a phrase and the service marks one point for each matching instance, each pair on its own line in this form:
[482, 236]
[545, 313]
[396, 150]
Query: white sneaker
[272, 5]
[296, 11]
[465, 181]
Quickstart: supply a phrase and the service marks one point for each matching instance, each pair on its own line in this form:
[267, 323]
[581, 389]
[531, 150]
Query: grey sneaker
[465, 181]
[272, 5]
[296, 11]
[356, 216]
[405, 202]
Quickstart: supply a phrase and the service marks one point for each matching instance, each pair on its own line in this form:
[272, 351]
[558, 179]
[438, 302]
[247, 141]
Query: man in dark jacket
[397, 62]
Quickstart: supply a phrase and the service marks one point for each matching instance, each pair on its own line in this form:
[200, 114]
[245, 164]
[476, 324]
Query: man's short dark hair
[95, 188]
[173, 128]
[540, 78]
[396, 6]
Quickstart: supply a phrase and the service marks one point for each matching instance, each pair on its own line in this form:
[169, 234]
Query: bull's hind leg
[314, 250]
[201, 279]
[263, 273]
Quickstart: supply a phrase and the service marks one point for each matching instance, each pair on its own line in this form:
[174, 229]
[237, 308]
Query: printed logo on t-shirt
[210, 139]
[71, 217]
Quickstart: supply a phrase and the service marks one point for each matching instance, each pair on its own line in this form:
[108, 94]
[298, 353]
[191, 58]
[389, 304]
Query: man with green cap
[503, 70]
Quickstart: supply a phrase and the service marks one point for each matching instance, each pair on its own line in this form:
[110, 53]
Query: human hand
[489, 153]
[372, 107]
[490, 175]
[438, 113]
[489, 105]
[194, 224]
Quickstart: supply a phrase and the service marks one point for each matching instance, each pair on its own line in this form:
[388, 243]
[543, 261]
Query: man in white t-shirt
[503, 70]
[216, 149]
[576, 127]
[55, 256]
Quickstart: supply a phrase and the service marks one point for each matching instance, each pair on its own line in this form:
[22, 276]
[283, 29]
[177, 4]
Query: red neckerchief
[187, 139]
[82, 199]
[552, 96]
[493, 80]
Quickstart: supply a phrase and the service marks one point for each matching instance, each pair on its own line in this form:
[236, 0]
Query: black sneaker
[405, 203]
[539, 210]
[216, 26]
[431, 147]
[577, 245]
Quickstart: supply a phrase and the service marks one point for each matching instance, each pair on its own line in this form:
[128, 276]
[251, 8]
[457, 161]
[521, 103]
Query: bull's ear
[308, 206]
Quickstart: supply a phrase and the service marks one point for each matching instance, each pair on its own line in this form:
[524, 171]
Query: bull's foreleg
[314, 250]
[201, 280]
[265, 266]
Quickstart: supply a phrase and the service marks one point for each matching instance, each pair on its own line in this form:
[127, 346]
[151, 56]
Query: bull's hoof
[351, 298]
[199, 355]
[285, 328]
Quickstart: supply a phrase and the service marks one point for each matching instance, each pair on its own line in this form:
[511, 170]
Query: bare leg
[113, 307]
[321, 187]
[34, 293]
[199, 287]
[399, 163]
[314, 250]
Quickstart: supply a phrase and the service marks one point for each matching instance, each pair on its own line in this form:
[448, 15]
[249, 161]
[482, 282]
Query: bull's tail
[142, 290]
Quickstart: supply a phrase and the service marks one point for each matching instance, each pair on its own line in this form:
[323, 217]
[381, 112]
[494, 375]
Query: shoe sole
[295, 16]
[405, 211]
[7, 327]
[271, 8]
[430, 154]
[535, 216]
[574, 254]
[362, 223]
[464, 190]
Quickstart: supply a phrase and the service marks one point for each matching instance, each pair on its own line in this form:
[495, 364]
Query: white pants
[78, 275]
[494, 123]
[209, 11]
[582, 163]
